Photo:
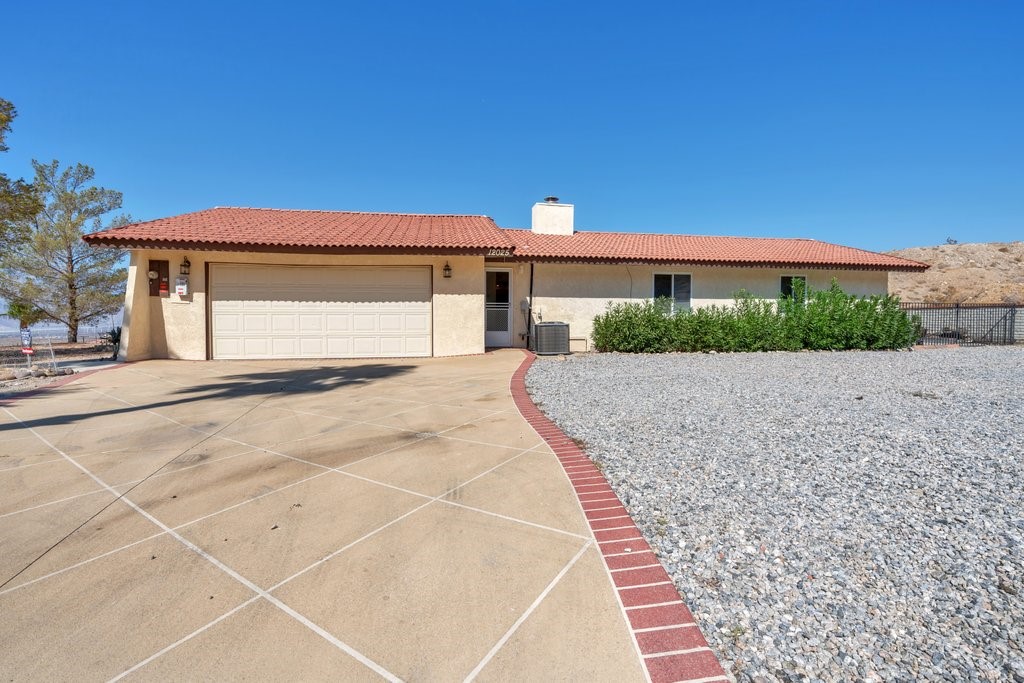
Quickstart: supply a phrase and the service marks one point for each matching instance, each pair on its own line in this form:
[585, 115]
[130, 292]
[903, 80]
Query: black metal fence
[10, 334]
[968, 324]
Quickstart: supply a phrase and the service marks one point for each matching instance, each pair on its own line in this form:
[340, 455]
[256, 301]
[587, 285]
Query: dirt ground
[990, 272]
[12, 357]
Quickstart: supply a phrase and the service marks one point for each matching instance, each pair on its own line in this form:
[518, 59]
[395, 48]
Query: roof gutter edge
[131, 244]
[614, 260]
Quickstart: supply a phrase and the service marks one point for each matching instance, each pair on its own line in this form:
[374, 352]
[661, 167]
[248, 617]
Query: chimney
[552, 218]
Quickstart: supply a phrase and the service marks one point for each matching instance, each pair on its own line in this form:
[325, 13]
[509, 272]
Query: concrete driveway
[329, 520]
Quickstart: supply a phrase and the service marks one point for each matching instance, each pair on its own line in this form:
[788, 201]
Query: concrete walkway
[297, 520]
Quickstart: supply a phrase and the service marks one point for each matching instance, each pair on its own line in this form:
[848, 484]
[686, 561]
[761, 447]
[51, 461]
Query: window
[787, 283]
[675, 287]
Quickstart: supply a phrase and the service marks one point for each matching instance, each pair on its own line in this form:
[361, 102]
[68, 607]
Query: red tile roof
[242, 229]
[700, 249]
[283, 230]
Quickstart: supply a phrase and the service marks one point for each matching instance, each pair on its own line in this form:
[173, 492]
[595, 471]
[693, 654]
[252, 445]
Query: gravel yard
[828, 516]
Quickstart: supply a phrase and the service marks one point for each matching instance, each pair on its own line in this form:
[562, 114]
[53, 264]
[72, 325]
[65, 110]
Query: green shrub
[634, 327]
[832, 319]
[820, 320]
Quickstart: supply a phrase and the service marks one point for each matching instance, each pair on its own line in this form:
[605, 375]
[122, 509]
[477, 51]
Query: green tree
[18, 201]
[52, 269]
[26, 314]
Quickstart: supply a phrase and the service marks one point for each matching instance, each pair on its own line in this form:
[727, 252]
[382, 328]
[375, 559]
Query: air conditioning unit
[550, 338]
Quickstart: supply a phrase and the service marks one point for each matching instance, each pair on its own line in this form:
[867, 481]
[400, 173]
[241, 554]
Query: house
[242, 283]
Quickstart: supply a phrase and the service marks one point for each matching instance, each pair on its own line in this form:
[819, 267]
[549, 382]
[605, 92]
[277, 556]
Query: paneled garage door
[263, 311]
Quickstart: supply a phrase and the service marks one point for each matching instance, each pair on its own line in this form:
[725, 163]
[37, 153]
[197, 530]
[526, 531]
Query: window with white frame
[788, 282]
[675, 287]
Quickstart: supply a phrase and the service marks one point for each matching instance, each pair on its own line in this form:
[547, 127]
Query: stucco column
[135, 331]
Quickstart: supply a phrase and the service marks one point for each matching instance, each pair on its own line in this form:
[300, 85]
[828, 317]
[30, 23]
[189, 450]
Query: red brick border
[666, 634]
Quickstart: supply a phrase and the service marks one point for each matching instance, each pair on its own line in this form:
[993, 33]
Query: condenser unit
[550, 338]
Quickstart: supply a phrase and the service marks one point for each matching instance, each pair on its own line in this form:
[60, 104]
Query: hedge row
[822, 320]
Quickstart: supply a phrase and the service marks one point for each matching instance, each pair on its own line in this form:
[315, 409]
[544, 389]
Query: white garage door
[319, 312]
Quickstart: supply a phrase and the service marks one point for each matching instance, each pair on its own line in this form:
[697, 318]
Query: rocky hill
[990, 272]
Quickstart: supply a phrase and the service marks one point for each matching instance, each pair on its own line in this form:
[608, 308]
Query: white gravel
[827, 516]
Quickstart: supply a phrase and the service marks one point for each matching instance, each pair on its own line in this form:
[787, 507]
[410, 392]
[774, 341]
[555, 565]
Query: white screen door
[498, 308]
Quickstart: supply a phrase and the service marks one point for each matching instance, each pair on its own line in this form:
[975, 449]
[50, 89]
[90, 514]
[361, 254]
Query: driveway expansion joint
[562, 589]
[222, 566]
[647, 608]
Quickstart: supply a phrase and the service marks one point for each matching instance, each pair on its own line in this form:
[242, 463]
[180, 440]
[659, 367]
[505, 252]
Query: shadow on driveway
[250, 384]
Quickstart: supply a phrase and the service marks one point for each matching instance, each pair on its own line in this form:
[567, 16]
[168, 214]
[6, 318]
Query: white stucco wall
[576, 293]
[176, 327]
[136, 312]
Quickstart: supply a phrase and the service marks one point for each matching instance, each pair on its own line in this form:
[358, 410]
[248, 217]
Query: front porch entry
[498, 308]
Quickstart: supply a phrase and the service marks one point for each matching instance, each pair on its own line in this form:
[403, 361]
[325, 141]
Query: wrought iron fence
[967, 324]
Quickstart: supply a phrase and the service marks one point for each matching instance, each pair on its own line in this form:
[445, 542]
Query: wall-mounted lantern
[185, 266]
[447, 270]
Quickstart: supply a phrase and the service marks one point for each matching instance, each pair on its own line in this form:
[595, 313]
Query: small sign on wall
[181, 286]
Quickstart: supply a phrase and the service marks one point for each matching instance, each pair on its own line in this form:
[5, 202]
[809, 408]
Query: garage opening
[273, 311]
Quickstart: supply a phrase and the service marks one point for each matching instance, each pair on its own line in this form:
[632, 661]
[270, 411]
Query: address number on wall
[499, 252]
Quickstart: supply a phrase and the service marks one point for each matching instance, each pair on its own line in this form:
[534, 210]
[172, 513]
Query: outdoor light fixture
[447, 270]
[185, 266]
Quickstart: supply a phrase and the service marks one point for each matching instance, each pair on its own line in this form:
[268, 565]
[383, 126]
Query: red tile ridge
[346, 211]
[641, 233]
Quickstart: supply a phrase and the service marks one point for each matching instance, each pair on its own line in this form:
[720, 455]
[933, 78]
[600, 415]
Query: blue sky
[876, 124]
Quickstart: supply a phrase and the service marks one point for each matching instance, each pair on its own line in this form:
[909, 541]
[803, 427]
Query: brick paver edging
[666, 634]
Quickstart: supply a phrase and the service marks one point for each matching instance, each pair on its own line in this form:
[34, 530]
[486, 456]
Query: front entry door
[498, 308]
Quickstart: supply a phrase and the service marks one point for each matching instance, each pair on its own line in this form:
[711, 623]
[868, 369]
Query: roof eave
[106, 240]
[193, 245]
[623, 260]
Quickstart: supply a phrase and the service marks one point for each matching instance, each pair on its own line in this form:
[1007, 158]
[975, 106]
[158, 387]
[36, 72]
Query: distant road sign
[26, 338]
[28, 350]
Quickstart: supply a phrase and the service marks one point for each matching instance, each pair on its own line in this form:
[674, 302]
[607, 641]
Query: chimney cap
[551, 199]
